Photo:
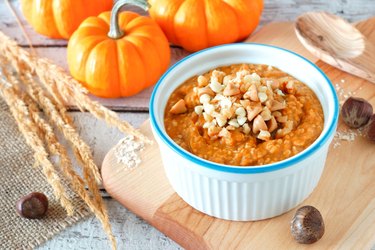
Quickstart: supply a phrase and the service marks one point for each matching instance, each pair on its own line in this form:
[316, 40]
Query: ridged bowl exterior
[244, 193]
[242, 197]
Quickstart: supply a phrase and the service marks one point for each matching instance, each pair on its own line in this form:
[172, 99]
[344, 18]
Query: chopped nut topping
[240, 111]
[216, 86]
[276, 105]
[264, 135]
[207, 117]
[272, 124]
[252, 94]
[224, 133]
[266, 114]
[179, 107]
[221, 120]
[274, 84]
[252, 112]
[230, 127]
[241, 120]
[259, 124]
[245, 103]
[202, 81]
[213, 131]
[282, 119]
[246, 128]
[234, 123]
[242, 101]
[231, 90]
[205, 90]
[204, 98]
[262, 97]
[198, 109]
[290, 87]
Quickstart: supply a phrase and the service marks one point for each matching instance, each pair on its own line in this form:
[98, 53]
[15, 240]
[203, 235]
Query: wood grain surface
[131, 231]
[54, 49]
[345, 194]
[338, 43]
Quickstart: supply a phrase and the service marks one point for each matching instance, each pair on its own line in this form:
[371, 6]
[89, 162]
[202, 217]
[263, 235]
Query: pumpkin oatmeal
[244, 114]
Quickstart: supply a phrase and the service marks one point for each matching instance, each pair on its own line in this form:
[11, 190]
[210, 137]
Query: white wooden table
[132, 232]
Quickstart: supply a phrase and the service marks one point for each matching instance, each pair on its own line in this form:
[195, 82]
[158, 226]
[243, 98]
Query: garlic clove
[356, 112]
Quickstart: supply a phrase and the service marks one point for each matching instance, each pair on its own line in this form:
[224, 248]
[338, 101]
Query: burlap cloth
[18, 178]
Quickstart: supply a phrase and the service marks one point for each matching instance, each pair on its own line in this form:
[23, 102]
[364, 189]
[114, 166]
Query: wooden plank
[56, 51]
[138, 102]
[284, 29]
[99, 135]
[286, 10]
[345, 194]
[9, 25]
[130, 231]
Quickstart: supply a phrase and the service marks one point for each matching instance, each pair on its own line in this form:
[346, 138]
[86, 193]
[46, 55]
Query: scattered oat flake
[344, 133]
[127, 151]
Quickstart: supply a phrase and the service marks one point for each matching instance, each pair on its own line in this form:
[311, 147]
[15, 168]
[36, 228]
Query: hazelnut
[307, 225]
[369, 129]
[32, 206]
[356, 112]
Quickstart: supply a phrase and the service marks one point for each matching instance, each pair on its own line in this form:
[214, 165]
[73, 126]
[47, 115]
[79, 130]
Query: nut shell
[307, 225]
[32, 206]
[356, 112]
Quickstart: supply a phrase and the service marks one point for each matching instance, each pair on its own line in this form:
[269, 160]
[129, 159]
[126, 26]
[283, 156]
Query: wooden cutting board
[345, 194]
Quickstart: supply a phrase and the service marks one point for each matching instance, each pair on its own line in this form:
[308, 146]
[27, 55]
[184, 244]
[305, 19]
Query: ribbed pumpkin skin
[199, 24]
[118, 67]
[60, 18]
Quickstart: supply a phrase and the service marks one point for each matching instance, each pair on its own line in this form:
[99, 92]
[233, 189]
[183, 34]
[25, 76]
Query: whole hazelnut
[369, 129]
[307, 225]
[32, 206]
[356, 112]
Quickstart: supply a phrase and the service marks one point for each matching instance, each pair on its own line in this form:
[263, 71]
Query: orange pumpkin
[60, 18]
[198, 24]
[118, 55]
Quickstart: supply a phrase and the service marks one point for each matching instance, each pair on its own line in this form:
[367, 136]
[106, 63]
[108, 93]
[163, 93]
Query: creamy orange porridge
[244, 114]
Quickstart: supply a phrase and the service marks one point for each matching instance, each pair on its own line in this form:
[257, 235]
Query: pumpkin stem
[114, 30]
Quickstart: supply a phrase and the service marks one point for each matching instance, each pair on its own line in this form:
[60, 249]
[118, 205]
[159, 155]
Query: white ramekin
[235, 192]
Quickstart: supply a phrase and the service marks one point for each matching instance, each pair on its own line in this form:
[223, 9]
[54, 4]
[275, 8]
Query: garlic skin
[369, 129]
[356, 112]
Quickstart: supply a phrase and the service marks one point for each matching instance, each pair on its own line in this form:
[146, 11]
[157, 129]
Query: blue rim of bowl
[245, 169]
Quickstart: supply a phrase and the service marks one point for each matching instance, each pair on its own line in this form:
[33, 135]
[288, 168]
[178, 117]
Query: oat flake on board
[127, 151]
[344, 134]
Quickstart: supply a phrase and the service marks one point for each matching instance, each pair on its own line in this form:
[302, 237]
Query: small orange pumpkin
[198, 24]
[60, 18]
[120, 54]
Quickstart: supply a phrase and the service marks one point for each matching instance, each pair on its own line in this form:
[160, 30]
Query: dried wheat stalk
[18, 108]
[76, 181]
[62, 86]
[90, 170]
[42, 129]
[38, 94]
[49, 87]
